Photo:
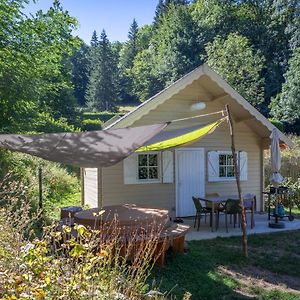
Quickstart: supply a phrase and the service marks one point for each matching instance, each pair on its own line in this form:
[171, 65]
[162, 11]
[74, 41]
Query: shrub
[102, 116]
[46, 123]
[90, 124]
[60, 188]
[72, 263]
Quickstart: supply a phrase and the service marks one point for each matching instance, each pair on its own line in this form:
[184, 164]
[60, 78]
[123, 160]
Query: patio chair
[250, 205]
[232, 208]
[200, 209]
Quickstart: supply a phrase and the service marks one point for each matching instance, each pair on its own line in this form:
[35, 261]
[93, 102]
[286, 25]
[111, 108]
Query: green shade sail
[181, 139]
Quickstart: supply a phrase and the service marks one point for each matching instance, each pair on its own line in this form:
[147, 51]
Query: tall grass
[70, 262]
[60, 184]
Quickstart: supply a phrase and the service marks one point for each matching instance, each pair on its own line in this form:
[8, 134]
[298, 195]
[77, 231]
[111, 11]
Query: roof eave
[134, 115]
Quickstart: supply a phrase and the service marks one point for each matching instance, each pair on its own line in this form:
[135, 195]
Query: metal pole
[40, 175]
[82, 186]
[238, 183]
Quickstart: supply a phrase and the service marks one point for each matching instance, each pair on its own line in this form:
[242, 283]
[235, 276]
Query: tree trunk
[238, 183]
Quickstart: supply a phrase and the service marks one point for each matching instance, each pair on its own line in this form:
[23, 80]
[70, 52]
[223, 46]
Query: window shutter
[167, 167]
[213, 165]
[243, 161]
[130, 169]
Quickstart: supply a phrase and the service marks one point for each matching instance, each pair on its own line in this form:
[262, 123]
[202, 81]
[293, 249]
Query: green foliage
[45, 123]
[145, 83]
[176, 47]
[128, 52]
[90, 124]
[278, 124]
[80, 70]
[102, 116]
[234, 60]
[31, 52]
[250, 43]
[59, 186]
[101, 92]
[70, 262]
[285, 106]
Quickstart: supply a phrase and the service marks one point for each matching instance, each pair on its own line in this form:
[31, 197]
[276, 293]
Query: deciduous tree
[285, 106]
[235, 60]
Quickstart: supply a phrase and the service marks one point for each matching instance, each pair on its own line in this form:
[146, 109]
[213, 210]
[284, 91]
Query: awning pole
[238, 182]
[40, 176]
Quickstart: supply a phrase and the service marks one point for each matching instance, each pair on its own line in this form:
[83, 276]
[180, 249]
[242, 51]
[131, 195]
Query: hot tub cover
[85, 149]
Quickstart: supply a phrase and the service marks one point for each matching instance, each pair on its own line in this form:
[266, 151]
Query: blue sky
[115, 16]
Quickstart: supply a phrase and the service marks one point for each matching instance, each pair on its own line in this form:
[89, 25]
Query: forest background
[51, 81]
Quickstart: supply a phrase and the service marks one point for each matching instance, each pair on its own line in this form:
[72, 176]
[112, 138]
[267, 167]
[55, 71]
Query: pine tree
[94, 39]
[159, 11]
[127, 56]
[80, 71]
[132, 43]
[102, 87]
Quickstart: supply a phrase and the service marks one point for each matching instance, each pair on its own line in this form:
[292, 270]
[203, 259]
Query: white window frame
[213, 167]
[226, 178]
[145, 181]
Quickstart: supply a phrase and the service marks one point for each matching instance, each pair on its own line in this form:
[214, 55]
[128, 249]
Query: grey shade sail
[85, 149]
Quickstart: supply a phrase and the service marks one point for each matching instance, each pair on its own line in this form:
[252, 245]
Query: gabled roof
[204, 70]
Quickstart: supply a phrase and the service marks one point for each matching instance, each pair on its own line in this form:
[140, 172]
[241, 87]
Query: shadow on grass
[198, 271]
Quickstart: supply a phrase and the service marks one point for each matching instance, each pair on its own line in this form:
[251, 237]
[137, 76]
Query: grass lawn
[216, 269]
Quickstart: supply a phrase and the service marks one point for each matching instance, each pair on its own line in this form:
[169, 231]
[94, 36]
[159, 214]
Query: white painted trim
[176, 171]
[153, 102]
[244, 103]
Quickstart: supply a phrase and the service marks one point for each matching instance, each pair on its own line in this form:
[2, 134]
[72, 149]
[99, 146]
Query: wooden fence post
[40, 175]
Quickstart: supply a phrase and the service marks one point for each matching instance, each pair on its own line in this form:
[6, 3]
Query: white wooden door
[190, 179]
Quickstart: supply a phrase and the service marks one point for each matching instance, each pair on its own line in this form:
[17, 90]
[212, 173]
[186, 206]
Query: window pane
[153, 160]
[143, 173]
[230, 160]
[143, 160]
[230, 171]
[222, 159]
[222, 171]
[153, 173]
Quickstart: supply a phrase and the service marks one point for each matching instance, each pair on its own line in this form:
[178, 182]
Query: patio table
[218, 200]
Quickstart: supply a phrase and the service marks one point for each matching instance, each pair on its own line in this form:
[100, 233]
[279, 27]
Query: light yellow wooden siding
[152, 194]
[179, 106]
[163, 195]
[245, 141]
[91, 187]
